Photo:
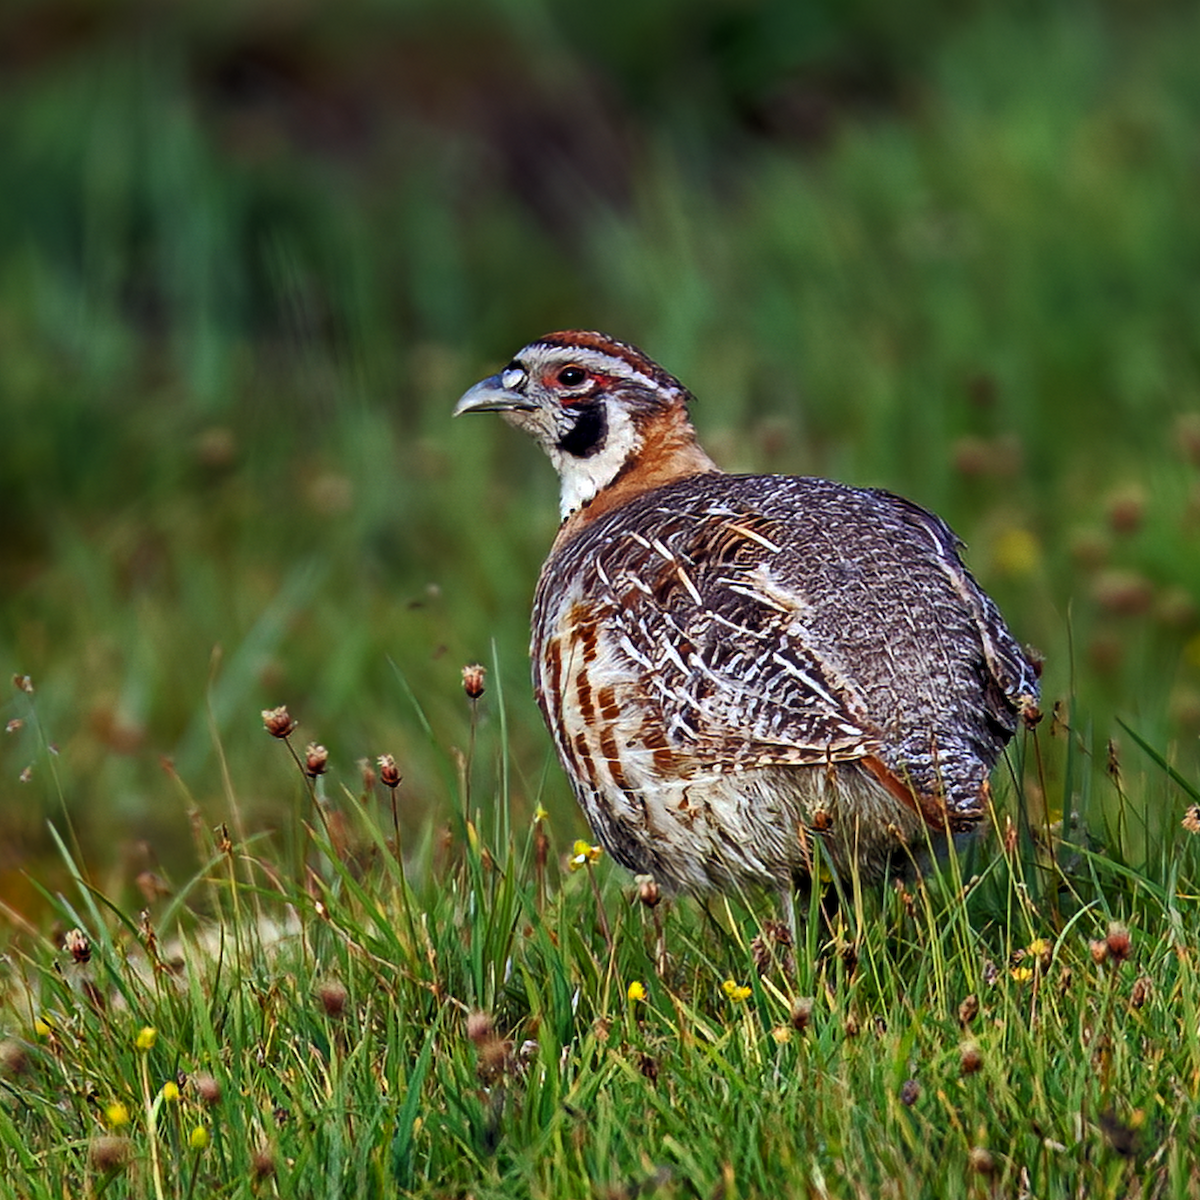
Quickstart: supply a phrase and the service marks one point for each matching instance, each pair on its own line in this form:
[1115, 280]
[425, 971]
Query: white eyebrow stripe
[596, 360]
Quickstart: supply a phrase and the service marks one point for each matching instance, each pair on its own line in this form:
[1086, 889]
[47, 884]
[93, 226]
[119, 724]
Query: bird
[748, 676]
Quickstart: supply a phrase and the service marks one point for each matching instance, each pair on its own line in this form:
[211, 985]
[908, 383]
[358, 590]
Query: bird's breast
[592, 690]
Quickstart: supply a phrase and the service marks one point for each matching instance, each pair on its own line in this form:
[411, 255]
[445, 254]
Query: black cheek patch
[586, 436]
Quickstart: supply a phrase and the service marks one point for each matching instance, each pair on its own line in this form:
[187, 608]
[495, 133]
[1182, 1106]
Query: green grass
[457, 1020]
[249, 258]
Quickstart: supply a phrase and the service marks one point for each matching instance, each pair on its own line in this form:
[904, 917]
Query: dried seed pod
[108, 1153]
[480, 1028]
[333, 996]
[980, 1161]
[278, 721]
[389, 773]
[316, 759]
[802, 1011]
[1119, 942]
[969, 1058]
[473, 680]
[76, 943]
[208, 1089]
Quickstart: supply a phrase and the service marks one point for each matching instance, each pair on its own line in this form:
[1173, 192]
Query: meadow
[249, 258]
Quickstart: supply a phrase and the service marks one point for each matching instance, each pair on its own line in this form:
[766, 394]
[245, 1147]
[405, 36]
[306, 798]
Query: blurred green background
[251, 253]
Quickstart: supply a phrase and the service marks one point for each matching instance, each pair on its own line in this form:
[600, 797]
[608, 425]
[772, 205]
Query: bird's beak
[490, 395]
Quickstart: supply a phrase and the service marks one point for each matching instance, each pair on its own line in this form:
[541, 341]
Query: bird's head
[599, 408]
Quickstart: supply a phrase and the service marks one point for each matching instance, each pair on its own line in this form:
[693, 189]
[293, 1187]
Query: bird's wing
[723, 652]
[1010, 668]
[743, 672]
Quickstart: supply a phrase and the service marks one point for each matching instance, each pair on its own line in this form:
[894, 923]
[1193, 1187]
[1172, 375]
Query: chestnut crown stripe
[597, 351]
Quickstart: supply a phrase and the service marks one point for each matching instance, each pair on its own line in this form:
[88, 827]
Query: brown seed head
[14, 1060]
[1125, 593]
[968, 1010]
[1187, 435]
[971, 455]
[980, 1161]
[1120, 944]
[1191, 819]
[23, 683]
[472, 680]
[1141, 992]
[76, 943]
[333, 996]
[13, 725]
[494, 1060]
[207, 1088]
[648, 893]
[1126, 508]
[480, 1028]
[316, 758]
[153, 887]
[389, 773]
[1121, 1135]
[802, 1011]
[278, 721]
[910, 1093]
[969, 1058]
[648, 1066]
[262, 1163]
[109, 1153]
[778, 932]
[1099, 951]
[760, 952]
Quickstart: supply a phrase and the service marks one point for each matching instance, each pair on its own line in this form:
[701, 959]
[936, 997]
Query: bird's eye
[571, 376]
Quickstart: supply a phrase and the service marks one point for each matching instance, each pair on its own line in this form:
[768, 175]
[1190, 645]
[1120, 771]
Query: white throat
[583, 478]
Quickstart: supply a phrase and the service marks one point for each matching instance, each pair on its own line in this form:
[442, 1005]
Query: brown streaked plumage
[732, 666]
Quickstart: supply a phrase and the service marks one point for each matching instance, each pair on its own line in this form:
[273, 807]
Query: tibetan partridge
[736, 667]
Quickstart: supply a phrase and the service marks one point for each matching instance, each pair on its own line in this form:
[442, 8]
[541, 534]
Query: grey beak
[490, 395]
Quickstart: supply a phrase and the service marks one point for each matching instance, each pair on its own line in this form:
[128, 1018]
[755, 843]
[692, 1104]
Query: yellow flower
[170, 1092]
[736, 992]
[198, 1139]
[1040, 951]
[1022, 974]
[146, 1038]
[1191, 650]
[583, 854]
[637, 991]
[116, 1114]
[782, 1034]
[540, 815]
[44, 1025]
[1017, 552]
